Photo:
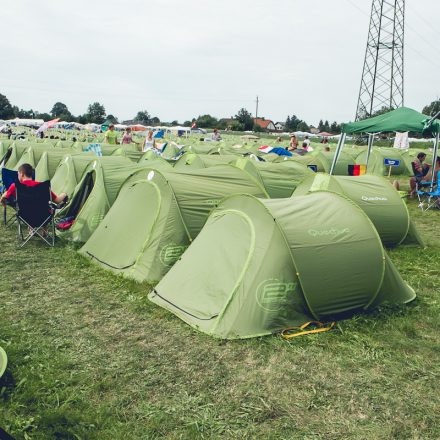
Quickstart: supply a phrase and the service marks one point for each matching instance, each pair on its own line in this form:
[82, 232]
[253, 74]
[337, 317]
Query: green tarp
[259, 266]
[401, 119]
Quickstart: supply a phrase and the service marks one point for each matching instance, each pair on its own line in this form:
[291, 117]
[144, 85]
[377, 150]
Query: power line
[430, 60]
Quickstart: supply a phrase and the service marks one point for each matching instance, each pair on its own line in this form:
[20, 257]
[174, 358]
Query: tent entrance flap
[128, 235]
[82, 195]
[217, 284]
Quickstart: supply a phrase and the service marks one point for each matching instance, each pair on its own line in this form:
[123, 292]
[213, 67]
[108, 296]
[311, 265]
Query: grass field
[91, 358]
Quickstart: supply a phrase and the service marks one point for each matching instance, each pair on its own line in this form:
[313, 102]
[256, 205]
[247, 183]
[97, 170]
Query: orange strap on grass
[300, 331]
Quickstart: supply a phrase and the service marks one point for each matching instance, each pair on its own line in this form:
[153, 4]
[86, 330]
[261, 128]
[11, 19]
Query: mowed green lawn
[91, 358]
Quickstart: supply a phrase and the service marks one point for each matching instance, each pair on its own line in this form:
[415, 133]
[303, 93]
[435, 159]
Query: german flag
[357, 170]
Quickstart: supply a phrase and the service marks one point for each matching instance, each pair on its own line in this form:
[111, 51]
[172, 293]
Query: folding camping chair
[431, 198]
[35, 210]
[421, 185]
[8, 178]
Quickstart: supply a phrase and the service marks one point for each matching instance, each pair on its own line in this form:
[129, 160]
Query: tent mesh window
[82, 195]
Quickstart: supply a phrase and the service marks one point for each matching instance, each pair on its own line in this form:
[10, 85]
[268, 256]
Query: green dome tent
[307, 160]
[376, 162]
[64, 144]
[153, 160]
[94, 195]
[194, 161]
[19, 149]
[3, 361]
[157, 214]
[48, 163]
[376, 197]
[278, 179]
[69, 172]
[5, 145]
[322, 160]
[36, 152]
[265, 265]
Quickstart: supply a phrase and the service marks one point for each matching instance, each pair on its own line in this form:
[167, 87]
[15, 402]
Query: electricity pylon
[382, 76]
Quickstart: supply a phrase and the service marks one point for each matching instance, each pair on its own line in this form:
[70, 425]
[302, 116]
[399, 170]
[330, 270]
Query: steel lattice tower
[382, 76]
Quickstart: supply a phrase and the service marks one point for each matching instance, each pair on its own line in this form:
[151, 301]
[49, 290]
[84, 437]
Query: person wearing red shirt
[25, 178]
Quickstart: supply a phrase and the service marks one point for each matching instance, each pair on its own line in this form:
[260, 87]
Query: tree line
[95, 113]
[242, 121]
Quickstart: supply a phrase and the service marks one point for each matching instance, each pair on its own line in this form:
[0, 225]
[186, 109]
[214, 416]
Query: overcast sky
[182, 58]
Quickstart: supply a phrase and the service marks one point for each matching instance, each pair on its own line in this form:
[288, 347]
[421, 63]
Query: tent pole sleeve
[338, 151]
[434, 161]
[370, 147]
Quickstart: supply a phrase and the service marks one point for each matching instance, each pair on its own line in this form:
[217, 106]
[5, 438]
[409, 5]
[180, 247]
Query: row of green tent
[203, 156]
[259, 266]
[227, 217]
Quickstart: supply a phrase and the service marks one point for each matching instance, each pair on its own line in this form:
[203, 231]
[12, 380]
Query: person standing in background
[111, 137]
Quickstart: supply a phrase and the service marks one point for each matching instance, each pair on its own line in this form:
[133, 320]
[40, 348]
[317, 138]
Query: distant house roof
[265, 123]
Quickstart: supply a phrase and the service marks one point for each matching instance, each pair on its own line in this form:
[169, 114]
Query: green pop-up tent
[153, 160]
[3, 361]
[322, 161]
[69, 172]
[94, 195]
[376, 197]
[264, 265]
[23, 152]
[157, 215]
[278, 179]
[377, 159]
[194, 161]
[49, 162]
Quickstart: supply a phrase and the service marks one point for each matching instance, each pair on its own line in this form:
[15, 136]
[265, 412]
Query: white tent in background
[26, 122]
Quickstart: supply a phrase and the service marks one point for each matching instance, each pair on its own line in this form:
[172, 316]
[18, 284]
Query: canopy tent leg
[434, 160]
[370, 147]
[338, 151]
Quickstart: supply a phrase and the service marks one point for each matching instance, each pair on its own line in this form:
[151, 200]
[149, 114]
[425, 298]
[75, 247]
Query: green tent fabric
[153, 160]
[157, 215]
[194, 161]
[69, 172]
[5, 144]
[401, 119]
[3, 361]
[18, 149]
[376, 197]
[322, 160]
[64, 144]
[34, 154]
[376, 162]
[48, 163]
[410, 155]
[264, 265]
[341, 168]
[106, 124]
[94, 195]
[279, 180]
[307, 160]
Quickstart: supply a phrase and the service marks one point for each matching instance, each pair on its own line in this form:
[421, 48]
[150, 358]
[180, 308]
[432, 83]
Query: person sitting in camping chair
[420, 170]
[35, 205]
[25, 173]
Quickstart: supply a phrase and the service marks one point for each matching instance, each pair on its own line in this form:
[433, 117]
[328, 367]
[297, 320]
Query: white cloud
[179, 59]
